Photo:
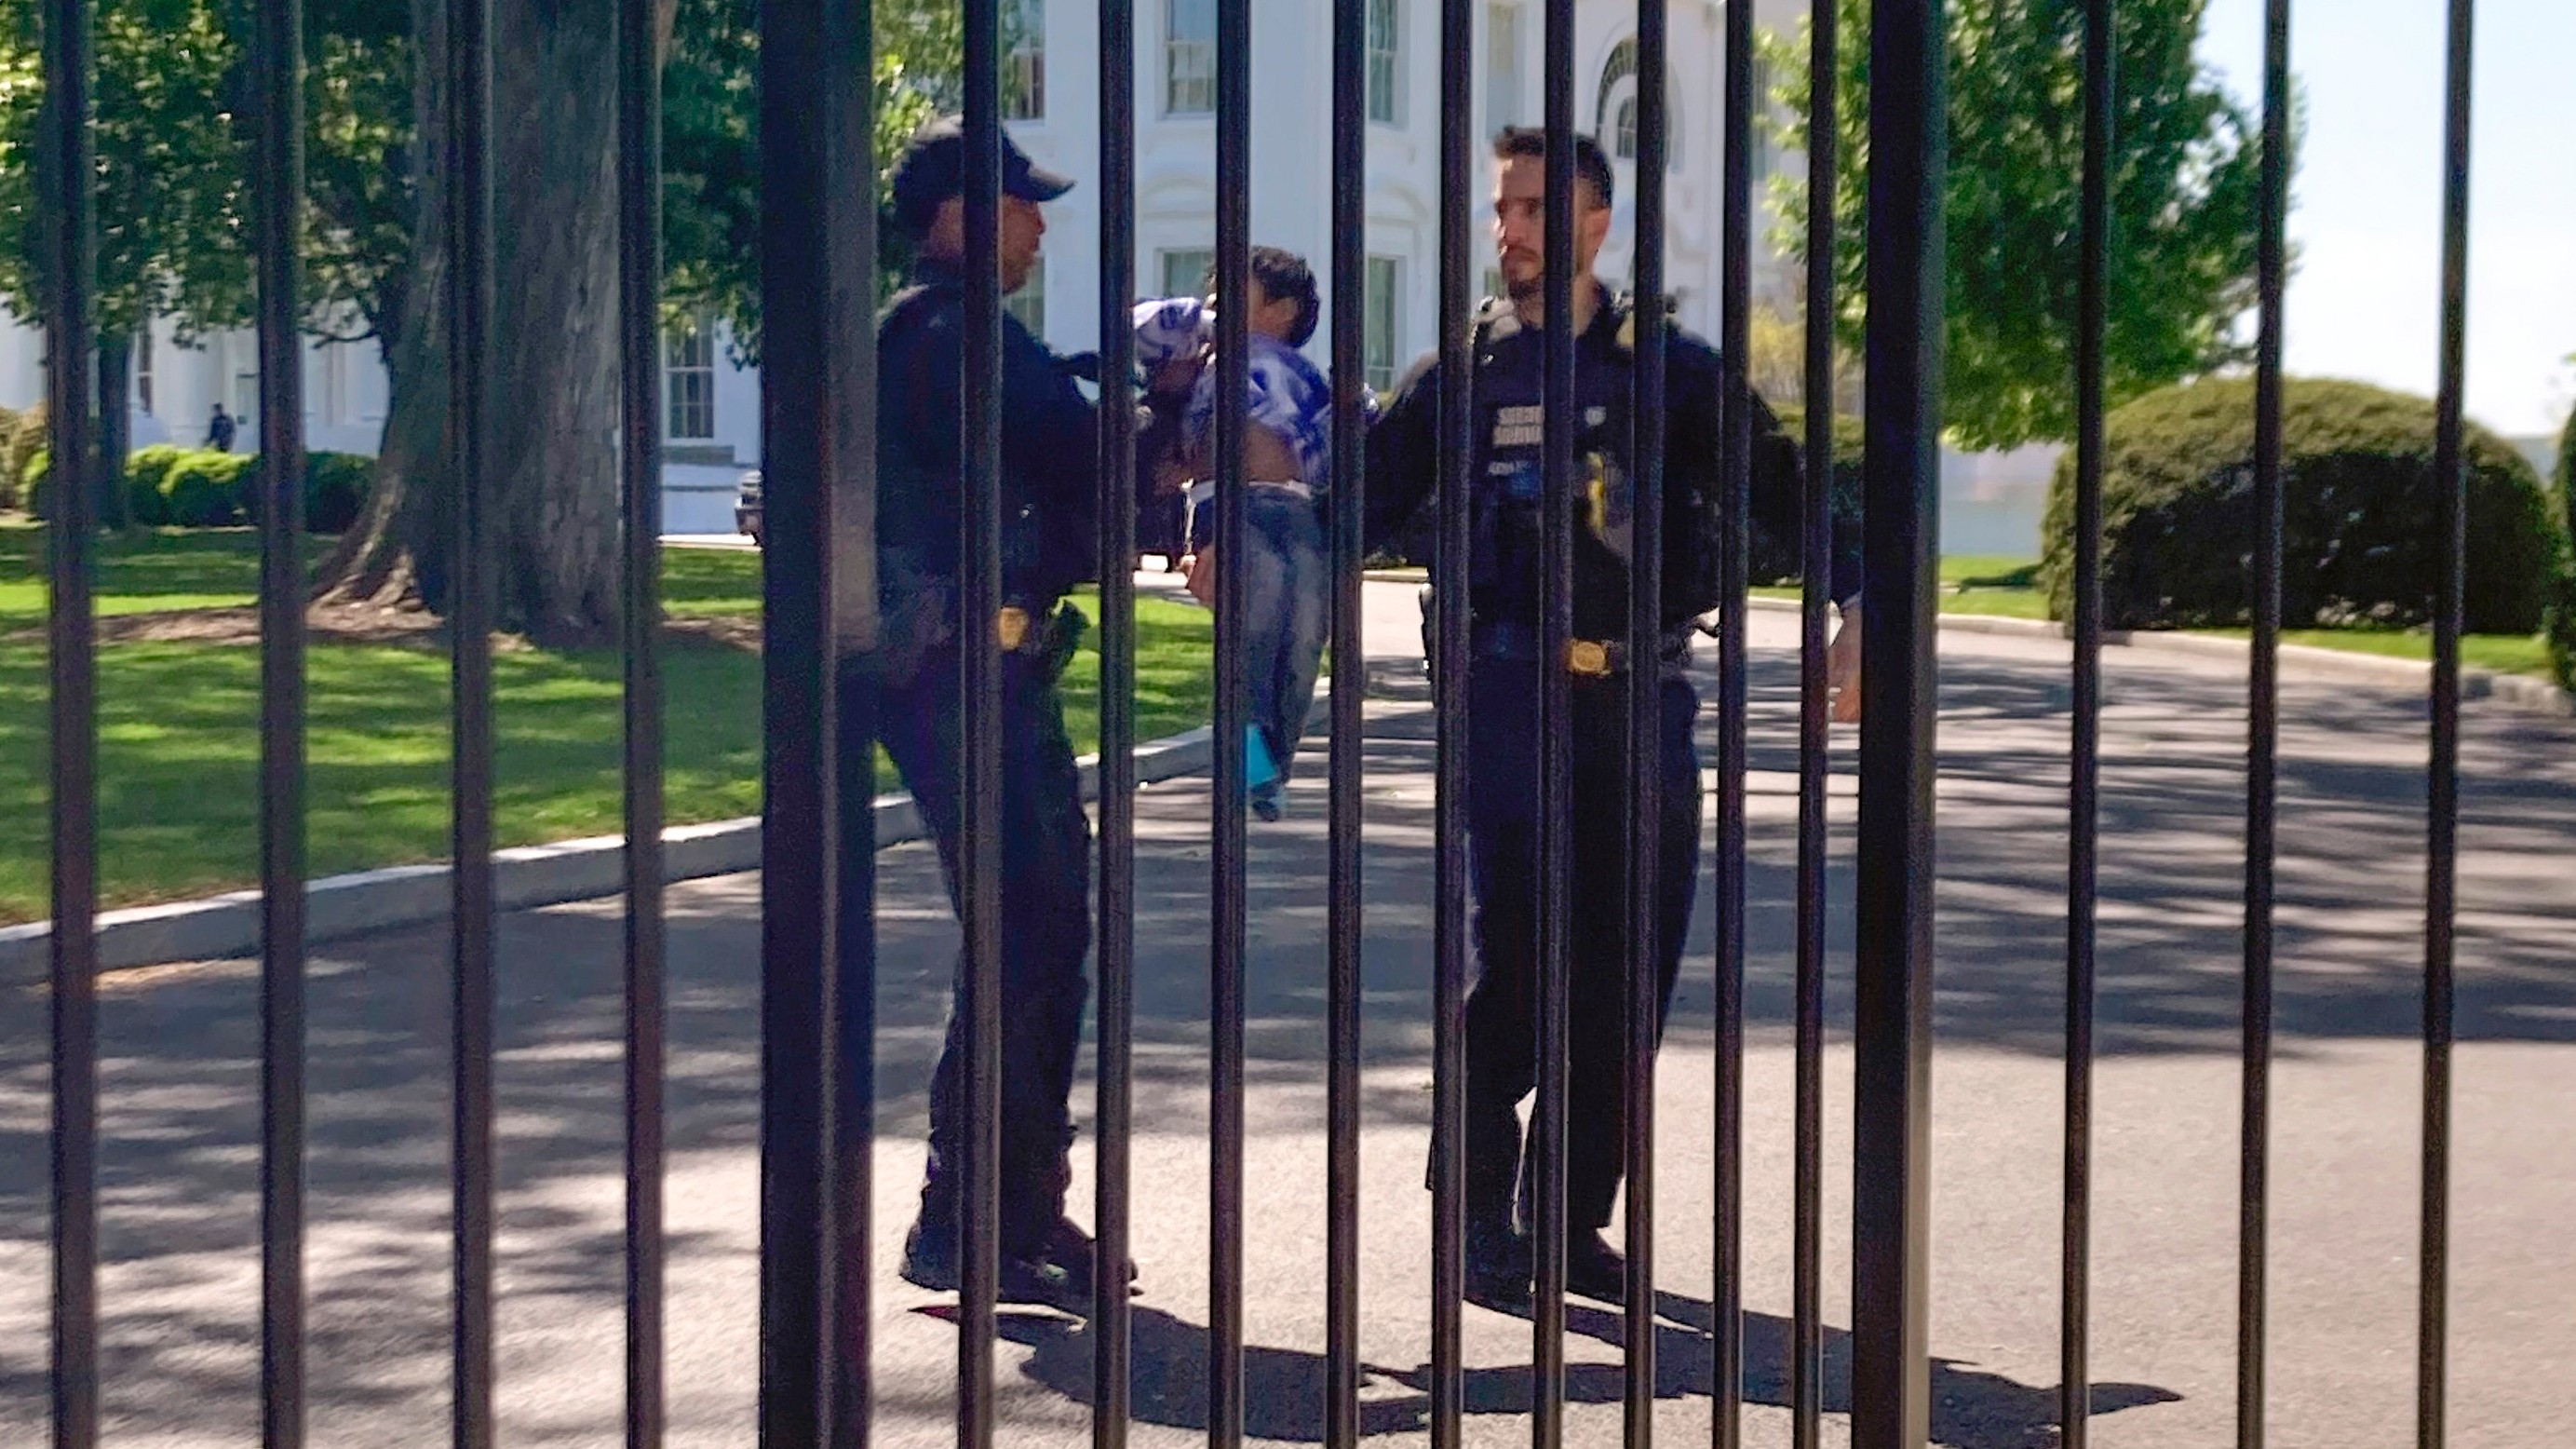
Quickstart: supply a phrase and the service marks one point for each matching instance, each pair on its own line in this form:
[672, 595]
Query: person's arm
[1403, 457]
[1780, 505]
[1051, 438]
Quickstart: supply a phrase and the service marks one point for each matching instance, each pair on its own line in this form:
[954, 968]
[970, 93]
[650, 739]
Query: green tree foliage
[711, 162]
[2185, 183]
[358, 165]
[171, 165]
[169, 196]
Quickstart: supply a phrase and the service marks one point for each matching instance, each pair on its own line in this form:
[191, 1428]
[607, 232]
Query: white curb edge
[224, 927]
[2519, 691]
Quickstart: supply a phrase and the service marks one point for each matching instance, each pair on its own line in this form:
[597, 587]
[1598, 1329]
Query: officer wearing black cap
[1502, 578]
[1048, 502]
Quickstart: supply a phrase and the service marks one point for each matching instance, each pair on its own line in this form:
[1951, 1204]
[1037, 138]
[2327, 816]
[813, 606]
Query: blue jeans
[1046, 922]
[1287, 581]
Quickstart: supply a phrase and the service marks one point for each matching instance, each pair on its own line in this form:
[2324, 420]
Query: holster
[917, 615]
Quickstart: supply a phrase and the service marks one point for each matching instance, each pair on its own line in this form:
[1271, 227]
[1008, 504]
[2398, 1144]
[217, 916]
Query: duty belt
[1584, 658]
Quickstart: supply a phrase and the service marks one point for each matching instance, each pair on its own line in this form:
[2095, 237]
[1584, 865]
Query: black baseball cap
[933, 169]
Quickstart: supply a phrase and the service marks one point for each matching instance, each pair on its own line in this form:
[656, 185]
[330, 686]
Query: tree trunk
[115, 426]
[552, 360]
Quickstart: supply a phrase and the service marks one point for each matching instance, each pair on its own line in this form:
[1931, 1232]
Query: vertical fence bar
[848, 121]
[1111, 1325]
[1645, 743]
[70, 340]
[2084, 809]
[2263, 705]
[1350, 686]
[278, 64]
[1806, 1314]
[981, 558]
[1891, 1140]
[1225, 956]
[2442, 825]
[470, 620]
[1449, 862]
[800, 835]
[1735, 446]
[639, 290]
[1806, 1270]
[1555, 733]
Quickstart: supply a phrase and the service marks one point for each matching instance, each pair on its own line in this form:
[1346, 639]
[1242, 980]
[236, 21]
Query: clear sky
[2365, 301]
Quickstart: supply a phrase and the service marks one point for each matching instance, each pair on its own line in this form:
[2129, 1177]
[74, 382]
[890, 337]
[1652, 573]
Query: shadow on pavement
[179, 1166]
[1284, 1389]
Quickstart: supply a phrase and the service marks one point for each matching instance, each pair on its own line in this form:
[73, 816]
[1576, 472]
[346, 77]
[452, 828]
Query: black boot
[1594, 1269]
[933, 1260]
[1071, 1249]
[1498, 1264]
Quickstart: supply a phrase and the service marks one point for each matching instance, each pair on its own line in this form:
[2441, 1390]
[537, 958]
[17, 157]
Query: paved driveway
[180, 1163]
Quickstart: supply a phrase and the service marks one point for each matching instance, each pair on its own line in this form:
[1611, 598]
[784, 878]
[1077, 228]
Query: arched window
[1615, 113]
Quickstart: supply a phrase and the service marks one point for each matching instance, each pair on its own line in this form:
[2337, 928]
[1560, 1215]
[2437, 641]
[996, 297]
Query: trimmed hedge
[205, 488]
[2358, 517]
[2562, 613]
[25, 434]
[201, 488]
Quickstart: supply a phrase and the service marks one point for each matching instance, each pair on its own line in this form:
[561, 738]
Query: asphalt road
[180, 1169]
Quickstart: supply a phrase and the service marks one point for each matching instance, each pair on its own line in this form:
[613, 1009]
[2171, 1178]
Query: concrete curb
[2517, 691]
[336, 907]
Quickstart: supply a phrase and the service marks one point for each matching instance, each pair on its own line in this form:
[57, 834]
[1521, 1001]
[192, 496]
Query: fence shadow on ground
[1284, 1389]
[180, 1080]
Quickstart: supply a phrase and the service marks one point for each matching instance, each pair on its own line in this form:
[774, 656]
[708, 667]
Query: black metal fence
[818, 221]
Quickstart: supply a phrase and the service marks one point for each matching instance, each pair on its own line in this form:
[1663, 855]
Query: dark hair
[1285, 277]
[1591, 163]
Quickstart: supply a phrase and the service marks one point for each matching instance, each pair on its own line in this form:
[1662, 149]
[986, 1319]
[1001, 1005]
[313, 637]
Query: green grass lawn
[140, 574]
[179, 746]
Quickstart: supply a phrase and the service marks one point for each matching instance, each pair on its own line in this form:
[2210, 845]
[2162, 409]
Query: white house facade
[711, 407]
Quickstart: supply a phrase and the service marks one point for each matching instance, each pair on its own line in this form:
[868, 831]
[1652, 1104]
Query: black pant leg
[1597, 1101]
[1045, 935]
[1501, 1027]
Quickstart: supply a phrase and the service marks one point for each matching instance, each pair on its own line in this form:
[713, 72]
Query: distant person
[219, 430]
[1288, 467]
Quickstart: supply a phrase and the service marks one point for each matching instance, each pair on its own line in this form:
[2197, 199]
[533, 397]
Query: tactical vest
[1508, 500]
[1508, 497]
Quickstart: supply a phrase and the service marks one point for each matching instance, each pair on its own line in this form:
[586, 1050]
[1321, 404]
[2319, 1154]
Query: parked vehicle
[746, 505]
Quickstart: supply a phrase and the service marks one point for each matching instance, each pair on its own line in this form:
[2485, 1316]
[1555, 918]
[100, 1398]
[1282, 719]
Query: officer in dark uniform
[1048, 503]
[1502, 578]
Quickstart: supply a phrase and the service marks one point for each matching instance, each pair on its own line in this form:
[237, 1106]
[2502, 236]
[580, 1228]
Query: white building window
[1503, 87]
[1029, 302]
[1185, 271]
[689, 380]
[1385, 63]
[246, 402]
[1189, 57]
[1615, 114]
[143, 369]
[1024, 69]
[1378, 341]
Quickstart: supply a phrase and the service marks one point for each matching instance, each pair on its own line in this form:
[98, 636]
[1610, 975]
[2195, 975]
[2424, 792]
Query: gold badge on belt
[1012, 626]
[1587, 657]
